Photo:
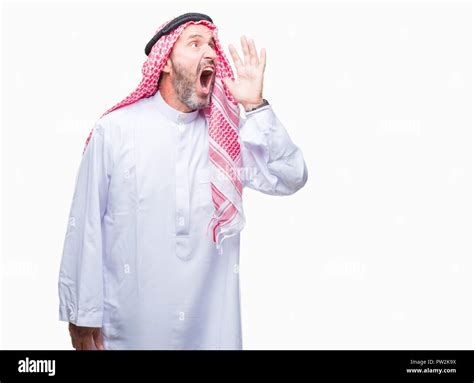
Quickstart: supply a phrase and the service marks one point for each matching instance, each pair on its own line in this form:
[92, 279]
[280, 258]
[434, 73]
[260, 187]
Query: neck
[171, 98]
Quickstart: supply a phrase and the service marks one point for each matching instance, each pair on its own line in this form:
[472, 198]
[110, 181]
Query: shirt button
[181, 221]
[181, 119]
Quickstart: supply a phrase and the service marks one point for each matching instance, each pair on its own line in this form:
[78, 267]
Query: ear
[167, 67]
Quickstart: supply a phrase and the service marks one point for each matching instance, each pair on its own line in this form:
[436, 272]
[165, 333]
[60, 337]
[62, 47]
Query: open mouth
[206, 78]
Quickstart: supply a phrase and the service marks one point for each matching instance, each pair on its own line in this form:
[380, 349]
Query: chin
[198, 100]
[205, 100]
[198, 103]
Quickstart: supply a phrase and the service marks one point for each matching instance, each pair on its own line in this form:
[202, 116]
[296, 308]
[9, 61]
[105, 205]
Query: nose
[210, 53]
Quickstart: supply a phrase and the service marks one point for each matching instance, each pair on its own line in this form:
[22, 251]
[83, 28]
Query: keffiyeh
[222, 115]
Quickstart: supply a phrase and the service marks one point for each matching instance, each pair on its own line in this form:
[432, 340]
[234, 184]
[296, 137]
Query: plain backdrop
[373, 253]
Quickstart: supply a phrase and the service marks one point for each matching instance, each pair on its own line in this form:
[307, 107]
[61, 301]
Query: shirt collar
[171, 113]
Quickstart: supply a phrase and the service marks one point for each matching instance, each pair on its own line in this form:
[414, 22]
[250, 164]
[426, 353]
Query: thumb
[229, 84]
[98, 339]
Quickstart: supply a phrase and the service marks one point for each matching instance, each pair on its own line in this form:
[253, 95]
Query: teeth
[208, 70]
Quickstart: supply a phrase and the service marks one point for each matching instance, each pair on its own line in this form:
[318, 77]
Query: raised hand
[247, 88]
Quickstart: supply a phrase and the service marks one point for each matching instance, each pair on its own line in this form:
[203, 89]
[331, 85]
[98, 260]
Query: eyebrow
[198, 35]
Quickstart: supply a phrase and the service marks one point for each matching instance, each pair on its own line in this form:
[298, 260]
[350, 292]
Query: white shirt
[137, 260]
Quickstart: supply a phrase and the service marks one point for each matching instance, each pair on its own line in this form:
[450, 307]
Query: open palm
[247, 89]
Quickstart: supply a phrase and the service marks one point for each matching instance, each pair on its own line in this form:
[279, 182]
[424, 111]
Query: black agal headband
[172, 25]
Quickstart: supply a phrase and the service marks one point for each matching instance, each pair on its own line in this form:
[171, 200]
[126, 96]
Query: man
[151, 253]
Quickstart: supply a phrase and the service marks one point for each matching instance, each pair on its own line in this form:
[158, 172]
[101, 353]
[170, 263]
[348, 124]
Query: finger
[235, 57]
[71, 329]
[87, 343]
[245, 49]
[73, 342]
[72, 334]
[98, 339]
[263, 59]
[78, 343]
[253, 53]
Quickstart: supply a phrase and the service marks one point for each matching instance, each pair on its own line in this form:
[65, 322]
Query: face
[191, 66]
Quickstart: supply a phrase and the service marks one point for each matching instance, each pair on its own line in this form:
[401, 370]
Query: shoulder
[124, 116]
[120, 122]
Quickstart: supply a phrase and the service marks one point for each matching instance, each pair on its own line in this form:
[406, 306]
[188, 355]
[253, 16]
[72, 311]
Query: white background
[373, 253]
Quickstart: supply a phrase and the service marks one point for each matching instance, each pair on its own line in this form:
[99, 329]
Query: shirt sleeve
[81, 274]
[272, 163]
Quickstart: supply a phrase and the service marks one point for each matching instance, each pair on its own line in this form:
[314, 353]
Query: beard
[185, 87]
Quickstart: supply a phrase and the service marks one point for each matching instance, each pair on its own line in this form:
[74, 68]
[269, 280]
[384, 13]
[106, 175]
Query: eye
[194, 42]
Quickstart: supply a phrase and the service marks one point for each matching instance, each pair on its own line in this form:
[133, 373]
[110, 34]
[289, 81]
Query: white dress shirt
[137, 259]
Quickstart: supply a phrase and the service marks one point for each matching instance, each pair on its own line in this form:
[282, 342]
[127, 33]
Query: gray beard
[185, 88]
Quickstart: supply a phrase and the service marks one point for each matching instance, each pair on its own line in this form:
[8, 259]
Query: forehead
[196, 29]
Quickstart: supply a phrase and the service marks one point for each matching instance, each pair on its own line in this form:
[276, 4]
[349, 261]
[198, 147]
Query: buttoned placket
[182, 188]
[182, 124]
